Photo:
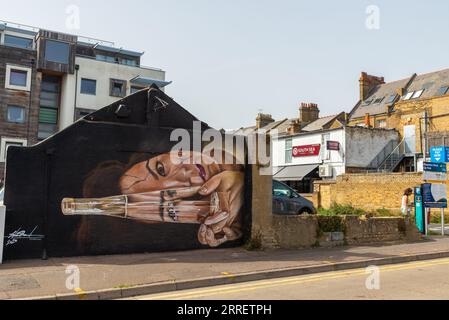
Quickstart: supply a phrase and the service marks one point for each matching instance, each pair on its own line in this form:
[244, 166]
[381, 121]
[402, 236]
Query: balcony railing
[122, 64]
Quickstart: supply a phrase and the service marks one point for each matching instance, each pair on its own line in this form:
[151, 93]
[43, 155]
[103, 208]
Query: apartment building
[50, 79]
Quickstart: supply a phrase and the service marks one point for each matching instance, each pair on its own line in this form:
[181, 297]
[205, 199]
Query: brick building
[417, 107]
[50, 79]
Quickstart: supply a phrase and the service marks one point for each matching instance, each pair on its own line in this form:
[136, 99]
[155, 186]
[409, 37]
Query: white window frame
[10, 67]
[4, 141]
[19, 35]
[408, 96]
[290, 151]
[325, 154]
[418, 94]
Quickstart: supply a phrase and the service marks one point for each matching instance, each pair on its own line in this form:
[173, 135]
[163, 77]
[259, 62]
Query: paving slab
[107, 277]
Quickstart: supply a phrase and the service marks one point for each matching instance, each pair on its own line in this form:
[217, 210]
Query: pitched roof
[431, 83]
[319, 124]
[384, 91]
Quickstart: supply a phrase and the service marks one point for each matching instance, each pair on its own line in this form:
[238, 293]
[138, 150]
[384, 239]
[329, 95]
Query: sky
[231, 59]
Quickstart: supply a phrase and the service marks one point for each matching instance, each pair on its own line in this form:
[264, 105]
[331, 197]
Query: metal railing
[383, 154]
[394, 158]
[121, 64]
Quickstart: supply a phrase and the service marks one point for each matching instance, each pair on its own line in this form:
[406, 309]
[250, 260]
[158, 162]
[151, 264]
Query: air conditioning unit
[326, 171]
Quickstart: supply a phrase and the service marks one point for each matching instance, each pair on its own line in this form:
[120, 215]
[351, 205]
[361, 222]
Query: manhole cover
[13, 283]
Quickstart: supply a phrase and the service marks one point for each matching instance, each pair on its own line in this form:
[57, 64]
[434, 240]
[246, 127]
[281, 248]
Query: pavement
[115, 277]
[430, 282]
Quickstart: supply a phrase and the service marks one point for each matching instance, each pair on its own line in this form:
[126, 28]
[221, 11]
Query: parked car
[287, 201]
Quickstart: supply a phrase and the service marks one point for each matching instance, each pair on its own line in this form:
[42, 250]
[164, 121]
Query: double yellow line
[265, 284]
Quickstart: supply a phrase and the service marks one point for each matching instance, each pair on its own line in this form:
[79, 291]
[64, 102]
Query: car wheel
[305, 211]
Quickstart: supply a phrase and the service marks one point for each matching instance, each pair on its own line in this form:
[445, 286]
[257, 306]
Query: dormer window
[443, 91]
[379, 100]
[417, 94]
[408, 96]
[391, 98]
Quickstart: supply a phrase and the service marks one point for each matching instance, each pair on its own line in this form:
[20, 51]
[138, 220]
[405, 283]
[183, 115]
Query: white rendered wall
[102, 72]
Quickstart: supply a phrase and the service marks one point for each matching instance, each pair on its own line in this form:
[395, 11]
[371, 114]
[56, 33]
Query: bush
[339, 210]
[330, 224]
[436, 218]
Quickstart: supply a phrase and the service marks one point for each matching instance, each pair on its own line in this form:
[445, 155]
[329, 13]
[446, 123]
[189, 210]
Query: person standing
[406, 207]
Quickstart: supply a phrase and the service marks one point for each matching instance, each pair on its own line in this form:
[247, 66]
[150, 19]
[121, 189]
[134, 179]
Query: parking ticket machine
[420, 210]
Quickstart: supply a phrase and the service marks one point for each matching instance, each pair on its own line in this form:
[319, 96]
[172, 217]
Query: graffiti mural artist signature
[20, 234]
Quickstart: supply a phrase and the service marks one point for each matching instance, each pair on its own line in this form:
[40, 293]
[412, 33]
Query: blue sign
[439, 154]
[434, 195]
[435, 167]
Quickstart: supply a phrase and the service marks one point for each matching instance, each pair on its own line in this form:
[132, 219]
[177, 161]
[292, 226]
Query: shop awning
[294, 173]
[148, 82]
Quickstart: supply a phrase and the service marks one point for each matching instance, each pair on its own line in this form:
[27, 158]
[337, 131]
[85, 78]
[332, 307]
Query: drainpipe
[77, 68]
[426, 120]
[30, 104]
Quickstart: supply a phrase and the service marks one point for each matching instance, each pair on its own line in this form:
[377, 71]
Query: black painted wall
[39, 177]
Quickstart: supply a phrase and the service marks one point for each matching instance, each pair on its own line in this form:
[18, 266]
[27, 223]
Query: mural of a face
[169, 171]
[171, 188]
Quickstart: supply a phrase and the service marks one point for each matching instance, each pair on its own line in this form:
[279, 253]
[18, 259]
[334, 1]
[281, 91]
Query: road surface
[417, 280]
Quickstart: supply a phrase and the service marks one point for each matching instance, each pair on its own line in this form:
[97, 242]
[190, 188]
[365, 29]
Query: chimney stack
[294, 127]
[367, 120]
[308, 112]
[367, 83]
[263, 120]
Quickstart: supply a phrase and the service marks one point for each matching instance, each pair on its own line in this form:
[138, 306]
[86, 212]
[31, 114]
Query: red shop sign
[307, 151]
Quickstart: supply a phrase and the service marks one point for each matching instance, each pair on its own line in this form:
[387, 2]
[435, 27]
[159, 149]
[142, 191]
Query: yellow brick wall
[411, 113]
[367, 191]
[373, 120]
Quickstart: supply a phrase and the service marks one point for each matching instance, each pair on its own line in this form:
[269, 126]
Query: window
[379, 100]
[118, 88]
[18, 42]
[418, 94]
[289, 151]
[10, 142]
[443, 90]
[15, 114]
[102, 57]
[381, 124]
[391, 98]
[56, 51]
[49, 106]
[128, 62]
[89, 86]
[408, 96]
[280, 190]
[18, 78]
